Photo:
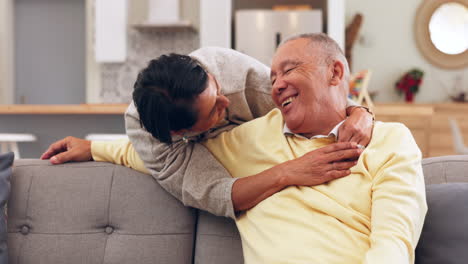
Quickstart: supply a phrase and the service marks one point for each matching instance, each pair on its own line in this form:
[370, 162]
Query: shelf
[174, 26]
[81, 109]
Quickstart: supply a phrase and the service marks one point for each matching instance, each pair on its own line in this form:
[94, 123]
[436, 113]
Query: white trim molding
[215, 23]
[336, 21]
[7, 66]
[93, 69]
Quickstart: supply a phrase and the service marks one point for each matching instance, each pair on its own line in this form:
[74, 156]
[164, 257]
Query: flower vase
[409, 97]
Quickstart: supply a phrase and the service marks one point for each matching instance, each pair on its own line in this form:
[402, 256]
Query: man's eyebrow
[284, 64]
[289, 62]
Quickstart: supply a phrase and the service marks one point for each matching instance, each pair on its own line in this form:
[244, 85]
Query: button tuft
[25, 230]
[109, 230]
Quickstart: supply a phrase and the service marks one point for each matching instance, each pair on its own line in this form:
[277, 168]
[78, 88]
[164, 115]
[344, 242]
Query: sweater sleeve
[119, 152]
[398, 199]
[188, 171]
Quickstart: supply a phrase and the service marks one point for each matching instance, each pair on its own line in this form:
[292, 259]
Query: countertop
[118, 109]
[81, 109]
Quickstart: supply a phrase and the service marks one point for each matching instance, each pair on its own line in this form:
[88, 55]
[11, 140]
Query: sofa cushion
[94, 212]
[6, 161]
[445, 233]
[218, 241]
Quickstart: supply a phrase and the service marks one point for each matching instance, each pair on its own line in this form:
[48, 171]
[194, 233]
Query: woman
[181, 100]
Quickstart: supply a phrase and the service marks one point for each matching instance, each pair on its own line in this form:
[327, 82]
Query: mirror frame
[423, 38]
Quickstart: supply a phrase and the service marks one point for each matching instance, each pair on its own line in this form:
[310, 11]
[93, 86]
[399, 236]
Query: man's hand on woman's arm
[314, 168]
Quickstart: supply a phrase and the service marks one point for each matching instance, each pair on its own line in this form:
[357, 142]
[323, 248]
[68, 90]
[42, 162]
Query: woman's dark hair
[164, 94]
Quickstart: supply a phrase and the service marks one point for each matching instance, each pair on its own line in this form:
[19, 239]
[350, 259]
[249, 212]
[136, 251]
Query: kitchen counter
[81, 109]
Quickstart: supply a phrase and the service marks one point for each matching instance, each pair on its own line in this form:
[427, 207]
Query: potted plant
[409, 84]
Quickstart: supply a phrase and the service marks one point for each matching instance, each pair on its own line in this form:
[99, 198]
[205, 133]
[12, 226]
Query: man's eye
[288, 70]
[273, 81]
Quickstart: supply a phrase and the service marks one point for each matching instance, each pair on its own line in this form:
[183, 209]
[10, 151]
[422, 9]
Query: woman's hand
[357, 127]
[322, 165]
[68, 149]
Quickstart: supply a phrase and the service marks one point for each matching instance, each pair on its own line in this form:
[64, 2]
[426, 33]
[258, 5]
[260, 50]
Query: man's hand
[357, 127]
[322, 165]
[314, 168]
[68, 149]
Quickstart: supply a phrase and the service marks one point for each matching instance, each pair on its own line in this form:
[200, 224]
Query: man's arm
[313, 168]
[249, 191]
[398, 199]
[119, 152]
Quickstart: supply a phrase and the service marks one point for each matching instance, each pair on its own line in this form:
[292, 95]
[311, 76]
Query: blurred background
[67, 67]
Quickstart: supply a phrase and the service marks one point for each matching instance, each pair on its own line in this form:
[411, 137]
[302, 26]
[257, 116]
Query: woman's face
[211, 106]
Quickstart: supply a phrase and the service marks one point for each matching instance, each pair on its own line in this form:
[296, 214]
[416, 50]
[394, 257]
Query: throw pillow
[6, 161]
[444, 238]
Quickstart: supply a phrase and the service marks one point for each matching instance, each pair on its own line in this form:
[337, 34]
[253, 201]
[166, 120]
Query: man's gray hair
[331, 51]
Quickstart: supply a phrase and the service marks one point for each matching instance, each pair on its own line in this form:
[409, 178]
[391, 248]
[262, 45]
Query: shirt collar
[333, 132]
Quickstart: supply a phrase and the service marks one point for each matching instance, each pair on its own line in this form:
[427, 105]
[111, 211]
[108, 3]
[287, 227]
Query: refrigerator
[259, 32]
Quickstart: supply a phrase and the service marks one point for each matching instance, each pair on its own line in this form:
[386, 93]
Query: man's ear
[337, 70]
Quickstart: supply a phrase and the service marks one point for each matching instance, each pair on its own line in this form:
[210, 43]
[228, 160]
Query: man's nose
[279, 86]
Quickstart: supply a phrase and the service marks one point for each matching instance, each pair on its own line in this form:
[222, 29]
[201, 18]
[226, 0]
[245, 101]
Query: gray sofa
[103, 213]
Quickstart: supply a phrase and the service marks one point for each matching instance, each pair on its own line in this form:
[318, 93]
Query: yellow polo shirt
[375, 215]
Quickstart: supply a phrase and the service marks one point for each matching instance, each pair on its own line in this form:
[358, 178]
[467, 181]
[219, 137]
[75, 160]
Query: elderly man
[375, 215]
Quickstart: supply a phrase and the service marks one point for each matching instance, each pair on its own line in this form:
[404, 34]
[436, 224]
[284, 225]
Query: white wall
[336, 24]
[6, 52]
[388, 47]
[215, 23]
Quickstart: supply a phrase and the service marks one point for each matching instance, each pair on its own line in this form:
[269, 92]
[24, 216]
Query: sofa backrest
[446, 169]
[94, 213]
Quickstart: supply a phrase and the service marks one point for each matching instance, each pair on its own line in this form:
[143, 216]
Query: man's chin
[292, 125]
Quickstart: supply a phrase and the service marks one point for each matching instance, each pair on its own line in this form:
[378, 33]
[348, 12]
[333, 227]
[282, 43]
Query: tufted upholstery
[446, 169]
[94, 213]
[102, 213]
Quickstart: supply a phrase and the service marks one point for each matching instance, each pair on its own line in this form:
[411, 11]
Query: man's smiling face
[300, 86]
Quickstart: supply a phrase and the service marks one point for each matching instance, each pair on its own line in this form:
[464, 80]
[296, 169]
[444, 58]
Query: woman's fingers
[345, 134]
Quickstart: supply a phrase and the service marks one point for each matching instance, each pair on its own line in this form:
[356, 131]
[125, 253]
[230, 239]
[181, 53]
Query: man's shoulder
[392, 135]
[390, 128]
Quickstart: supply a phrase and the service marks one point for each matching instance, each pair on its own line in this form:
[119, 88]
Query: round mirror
[448, 28]
[441, 30]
